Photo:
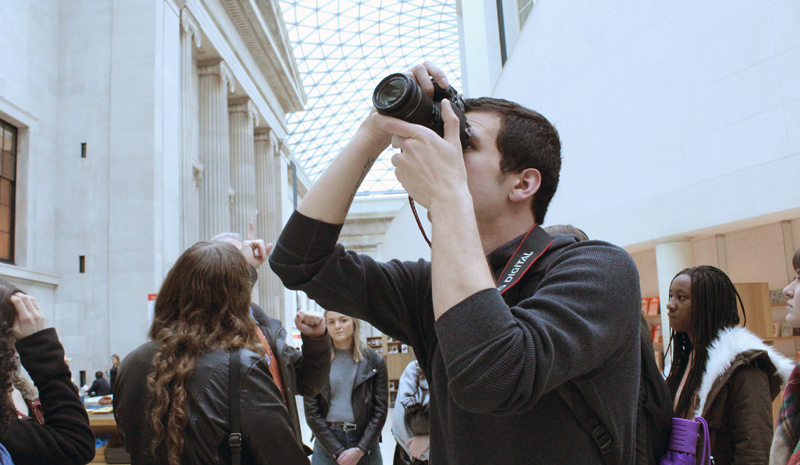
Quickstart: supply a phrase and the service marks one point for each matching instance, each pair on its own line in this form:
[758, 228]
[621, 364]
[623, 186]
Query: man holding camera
[504, 317]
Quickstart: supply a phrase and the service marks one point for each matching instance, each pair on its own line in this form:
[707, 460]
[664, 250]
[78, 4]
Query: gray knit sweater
[493, 360]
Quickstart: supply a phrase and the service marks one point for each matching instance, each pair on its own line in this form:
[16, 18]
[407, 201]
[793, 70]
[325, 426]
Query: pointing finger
[251, 232]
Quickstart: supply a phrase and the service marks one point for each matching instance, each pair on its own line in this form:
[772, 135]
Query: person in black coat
[100, 386]
[172, 396]
[65, 438]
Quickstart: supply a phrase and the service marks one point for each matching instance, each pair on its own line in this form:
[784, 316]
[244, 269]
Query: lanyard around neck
[521, 261]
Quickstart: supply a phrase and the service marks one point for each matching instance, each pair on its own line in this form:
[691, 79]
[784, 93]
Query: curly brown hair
[204, 303]
[8, 359]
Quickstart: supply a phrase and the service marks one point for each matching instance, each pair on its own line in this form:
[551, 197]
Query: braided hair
[714, 308]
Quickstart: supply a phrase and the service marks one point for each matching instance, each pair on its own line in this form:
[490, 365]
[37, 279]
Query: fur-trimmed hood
[739, 345]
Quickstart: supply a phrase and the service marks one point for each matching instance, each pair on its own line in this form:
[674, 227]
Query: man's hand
[310, 324]
[417, 445]
[428, 167]
[254, 250]
[350, 456]
[29, 316]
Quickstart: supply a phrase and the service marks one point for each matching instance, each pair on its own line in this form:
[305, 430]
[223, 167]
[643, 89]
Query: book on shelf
[653, 307]
[786, 330]
[645, 305]
[657, 339]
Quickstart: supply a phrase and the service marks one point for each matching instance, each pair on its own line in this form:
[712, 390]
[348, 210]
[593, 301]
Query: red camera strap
[536, 240]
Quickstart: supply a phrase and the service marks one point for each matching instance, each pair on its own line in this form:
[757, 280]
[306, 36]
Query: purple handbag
[682, 446]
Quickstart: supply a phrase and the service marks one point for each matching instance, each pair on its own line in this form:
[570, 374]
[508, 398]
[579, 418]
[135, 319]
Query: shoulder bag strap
[234, 393]
[588, 419]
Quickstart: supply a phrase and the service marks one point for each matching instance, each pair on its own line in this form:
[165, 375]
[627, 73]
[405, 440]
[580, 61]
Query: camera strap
[533, 246]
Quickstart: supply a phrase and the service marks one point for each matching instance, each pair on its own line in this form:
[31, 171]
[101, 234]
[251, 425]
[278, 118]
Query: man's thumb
[452, 132]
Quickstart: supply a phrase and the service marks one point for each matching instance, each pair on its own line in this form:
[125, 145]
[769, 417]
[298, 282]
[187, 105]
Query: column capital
[244, 105]
[190, 25]
[269, 136]
[220, 69]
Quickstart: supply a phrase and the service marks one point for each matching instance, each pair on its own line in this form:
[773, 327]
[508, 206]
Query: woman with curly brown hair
[173, 396]
[65, 436]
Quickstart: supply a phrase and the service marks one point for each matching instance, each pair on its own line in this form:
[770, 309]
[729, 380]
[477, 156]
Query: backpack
[654, 410]
[653, 415]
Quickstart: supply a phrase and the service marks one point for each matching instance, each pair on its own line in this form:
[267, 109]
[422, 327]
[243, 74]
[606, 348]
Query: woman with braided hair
[721, 371]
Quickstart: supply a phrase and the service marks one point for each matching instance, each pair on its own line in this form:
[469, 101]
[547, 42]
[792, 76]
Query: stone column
[671, 257]
[243, 117]
[215, 212]
[269, 225]
[190, 202]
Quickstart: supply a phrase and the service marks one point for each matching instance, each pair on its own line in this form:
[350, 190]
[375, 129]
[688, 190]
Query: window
[524, 8]
[8, 176]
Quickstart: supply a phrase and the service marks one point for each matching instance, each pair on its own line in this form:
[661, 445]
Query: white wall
[674, 116]
[403, 240]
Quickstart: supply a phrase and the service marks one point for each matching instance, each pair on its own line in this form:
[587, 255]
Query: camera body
[399, 96]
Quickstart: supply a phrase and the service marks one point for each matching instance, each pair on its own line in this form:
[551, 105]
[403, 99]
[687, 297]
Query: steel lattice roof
[343, 49]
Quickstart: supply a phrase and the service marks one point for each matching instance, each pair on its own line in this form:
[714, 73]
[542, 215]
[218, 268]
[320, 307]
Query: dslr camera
[399, 96]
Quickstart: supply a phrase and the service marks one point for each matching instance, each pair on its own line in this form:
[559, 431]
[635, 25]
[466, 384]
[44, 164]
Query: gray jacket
[411, 387]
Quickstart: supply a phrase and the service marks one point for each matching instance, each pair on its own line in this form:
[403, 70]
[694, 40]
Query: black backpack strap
[572, 395]
[234, 393]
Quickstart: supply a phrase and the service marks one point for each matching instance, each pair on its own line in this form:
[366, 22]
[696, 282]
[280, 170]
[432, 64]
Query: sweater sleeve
[307, 258]
[66, 437]
[502, 359]
[312, 365]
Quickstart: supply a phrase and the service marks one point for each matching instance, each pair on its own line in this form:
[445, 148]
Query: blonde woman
[348, 415]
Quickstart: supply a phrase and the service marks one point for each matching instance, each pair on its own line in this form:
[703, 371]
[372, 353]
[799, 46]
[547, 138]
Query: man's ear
[528, 183]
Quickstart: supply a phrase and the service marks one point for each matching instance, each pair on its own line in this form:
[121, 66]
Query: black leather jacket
[370, 400]
[304, 372]
[268, 435]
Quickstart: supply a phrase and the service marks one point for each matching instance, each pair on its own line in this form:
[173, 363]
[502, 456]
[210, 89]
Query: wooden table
[104, 424]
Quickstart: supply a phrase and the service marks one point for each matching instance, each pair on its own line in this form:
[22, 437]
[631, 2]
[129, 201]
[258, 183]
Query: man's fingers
[268, 249]
[251, 231]
[398, 142]
[397, 127]
[437, 74]
[423, 79]
[452, 130]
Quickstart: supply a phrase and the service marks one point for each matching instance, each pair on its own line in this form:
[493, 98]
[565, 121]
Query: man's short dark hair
[526, 140]
[796, 261]
[98, 374]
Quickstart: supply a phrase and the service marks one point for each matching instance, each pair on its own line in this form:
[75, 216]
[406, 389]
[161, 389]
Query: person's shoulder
[142, 354]
[374, 358]
[591, 251]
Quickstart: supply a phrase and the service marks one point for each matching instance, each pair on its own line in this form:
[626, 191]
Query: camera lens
[391, 92]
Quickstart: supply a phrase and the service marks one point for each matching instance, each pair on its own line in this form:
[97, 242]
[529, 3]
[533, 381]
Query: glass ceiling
[343, 49]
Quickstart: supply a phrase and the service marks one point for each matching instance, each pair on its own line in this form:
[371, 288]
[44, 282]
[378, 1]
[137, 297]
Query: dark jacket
[66, 437]
[268, 436]
[493, 360]
[370, 400]
[304, 372]
[742, 378]
[100, 387]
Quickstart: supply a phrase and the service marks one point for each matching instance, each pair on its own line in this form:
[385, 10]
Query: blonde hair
[358, 347]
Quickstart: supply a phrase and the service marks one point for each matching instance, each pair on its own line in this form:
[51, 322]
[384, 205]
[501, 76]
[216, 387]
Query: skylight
[343, 49]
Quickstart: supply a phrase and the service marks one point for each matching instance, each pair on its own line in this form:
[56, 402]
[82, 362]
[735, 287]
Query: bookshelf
[397, 356]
